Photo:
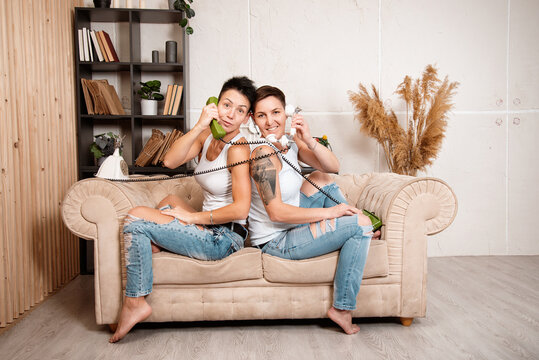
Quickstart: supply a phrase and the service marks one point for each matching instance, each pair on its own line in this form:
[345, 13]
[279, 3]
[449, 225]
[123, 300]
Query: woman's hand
[209, 112]
[302, 130]
[180, 214]
[342, 210]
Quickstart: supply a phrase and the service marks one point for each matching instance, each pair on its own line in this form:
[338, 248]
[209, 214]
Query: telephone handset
[216, 129]
[290, 111]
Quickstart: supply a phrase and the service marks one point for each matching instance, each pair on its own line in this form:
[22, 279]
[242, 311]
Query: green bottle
[216, 130]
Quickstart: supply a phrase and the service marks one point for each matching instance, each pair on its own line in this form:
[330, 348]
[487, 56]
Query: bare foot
[134, 310]
[155, 249]
[343, 318]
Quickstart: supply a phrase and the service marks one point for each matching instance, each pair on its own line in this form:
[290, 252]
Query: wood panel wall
[37, 151]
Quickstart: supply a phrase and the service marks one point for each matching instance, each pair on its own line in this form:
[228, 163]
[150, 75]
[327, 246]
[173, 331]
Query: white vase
[148, 107]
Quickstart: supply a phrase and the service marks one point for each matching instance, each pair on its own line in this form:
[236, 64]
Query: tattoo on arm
[264, 174]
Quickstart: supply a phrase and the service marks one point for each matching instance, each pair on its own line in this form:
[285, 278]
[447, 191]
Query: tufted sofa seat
[252, 285]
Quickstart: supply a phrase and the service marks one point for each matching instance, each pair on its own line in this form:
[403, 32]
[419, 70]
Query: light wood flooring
[478, 308]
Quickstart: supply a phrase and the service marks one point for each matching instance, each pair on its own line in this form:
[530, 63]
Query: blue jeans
[208, 244]
[352, 239]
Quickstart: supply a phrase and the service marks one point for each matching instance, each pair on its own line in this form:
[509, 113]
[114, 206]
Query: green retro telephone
[216, 129]
[376, 222]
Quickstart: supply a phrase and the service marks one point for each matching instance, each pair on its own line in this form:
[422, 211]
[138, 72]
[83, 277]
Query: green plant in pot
[103, 146]
[149, 92]
[184, 7]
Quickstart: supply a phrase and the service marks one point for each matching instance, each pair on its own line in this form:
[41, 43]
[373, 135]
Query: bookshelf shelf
[127, 28]
[104, 66]
[102, 15]
[106, 117]
[159, 117]
[159, 67]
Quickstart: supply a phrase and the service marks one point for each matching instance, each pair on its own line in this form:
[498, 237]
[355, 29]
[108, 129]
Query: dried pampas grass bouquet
[415, 147]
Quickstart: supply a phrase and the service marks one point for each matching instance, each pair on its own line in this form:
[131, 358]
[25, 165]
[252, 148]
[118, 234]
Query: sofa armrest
[94, 209]
[389, 196]
[411, 208]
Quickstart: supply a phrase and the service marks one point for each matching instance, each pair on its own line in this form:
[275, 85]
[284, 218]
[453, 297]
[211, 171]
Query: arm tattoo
[264, 174]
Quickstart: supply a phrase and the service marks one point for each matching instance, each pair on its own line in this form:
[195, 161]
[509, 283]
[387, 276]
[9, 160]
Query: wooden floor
[478, 308]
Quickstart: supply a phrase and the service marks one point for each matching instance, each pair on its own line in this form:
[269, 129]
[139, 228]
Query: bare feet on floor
[134, 310]
[343, 318]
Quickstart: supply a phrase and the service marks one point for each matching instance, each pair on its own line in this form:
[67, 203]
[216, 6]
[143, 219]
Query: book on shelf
[156, 147]
[95, 44]
[102, 46]
[110, 47]
[85, 44]
[87, 97]
[81, 46]
[176, 134]
[157, 156]
[177, 100]
[105, 48]
[101, 98]
[160, 157]
[172, 97]
[150, 148]
[90, 50]
[167, 99]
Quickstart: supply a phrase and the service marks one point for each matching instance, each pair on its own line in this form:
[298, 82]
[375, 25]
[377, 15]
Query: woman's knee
[319, 178]
[168, 200]
[363, 220]
[137, 211]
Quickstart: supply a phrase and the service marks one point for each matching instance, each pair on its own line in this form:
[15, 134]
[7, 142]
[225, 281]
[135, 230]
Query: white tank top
[261, 228]
[217, 185]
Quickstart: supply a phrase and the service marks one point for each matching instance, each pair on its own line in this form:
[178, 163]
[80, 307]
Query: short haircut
[242, 84]
[267, 91]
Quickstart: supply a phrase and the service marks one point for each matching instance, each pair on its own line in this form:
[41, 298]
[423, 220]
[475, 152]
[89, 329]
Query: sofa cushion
[169, 268]
[321, 269]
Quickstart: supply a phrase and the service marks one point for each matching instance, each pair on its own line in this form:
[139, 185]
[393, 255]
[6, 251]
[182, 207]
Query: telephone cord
[180, 176]
[277, 151]
[255, 142]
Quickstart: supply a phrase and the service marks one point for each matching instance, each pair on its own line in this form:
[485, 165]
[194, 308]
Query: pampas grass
[415, 147]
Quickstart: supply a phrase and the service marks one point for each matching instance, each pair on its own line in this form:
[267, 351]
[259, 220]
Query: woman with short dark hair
[211, 234]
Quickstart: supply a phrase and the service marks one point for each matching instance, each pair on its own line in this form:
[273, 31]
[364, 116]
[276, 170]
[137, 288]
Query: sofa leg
[112, 327]
[406, 321]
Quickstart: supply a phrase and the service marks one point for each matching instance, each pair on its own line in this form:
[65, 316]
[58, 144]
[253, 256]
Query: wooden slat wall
[37, 151]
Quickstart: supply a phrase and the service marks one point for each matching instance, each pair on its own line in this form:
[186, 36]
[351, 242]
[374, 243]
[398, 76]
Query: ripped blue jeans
[208, 244]
[345, 234]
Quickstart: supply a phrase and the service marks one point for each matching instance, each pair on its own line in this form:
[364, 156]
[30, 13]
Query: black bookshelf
[130, 67]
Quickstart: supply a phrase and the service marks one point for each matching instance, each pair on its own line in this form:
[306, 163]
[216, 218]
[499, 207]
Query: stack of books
[96, 46]
[101, 98]
[173, 99]
[156, 147]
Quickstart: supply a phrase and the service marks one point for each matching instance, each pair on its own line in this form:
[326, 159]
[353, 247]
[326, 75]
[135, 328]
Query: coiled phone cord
[180, 176]
[255, 142]
[277, 151]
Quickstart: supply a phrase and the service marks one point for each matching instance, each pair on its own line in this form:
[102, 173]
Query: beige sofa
[252, 285]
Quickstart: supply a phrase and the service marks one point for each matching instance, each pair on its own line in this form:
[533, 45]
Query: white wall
[318, 50]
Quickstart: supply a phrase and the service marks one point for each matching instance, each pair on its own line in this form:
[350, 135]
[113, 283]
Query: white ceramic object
[148, 107]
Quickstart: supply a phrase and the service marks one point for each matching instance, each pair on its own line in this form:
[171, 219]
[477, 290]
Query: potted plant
[103, 146]
[184, 7]
[149, 92]
[411, 148]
